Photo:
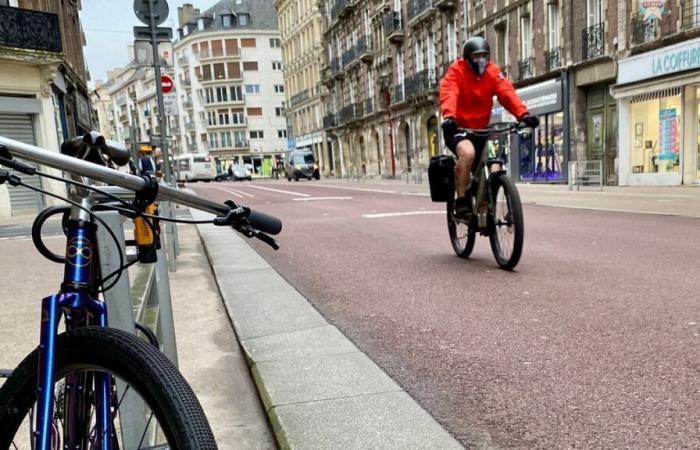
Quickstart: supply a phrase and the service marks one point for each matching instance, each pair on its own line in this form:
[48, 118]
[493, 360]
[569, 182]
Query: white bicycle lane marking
[281, 191]
[401, 214]
[236, 192]
[310, 199]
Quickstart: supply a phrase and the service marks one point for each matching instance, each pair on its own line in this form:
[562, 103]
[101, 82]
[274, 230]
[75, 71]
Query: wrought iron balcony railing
[336, 8]
[346, 114]
[690, 14]
[349, 56]
[645, 30]
[420, 82]
[369, 106]
[329, 120]
[399, 93]
[526, 68]
[416, 8]
[393, 25]
[31, 30]
[552, 58]
[300, 97]
[363, 49]
[593, 41]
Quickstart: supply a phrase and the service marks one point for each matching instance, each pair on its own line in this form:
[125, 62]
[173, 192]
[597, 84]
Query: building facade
[43, 85]
[229, 83]
[303, 55]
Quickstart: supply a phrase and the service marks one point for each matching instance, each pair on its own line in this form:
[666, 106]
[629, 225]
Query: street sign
[143, 53]
[170, 104]
[166, 83]
[160, 10]
[162, 33]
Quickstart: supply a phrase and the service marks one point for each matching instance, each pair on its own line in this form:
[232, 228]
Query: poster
[668, 135]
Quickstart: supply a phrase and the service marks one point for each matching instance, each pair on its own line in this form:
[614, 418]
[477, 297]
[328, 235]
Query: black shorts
[479, 143]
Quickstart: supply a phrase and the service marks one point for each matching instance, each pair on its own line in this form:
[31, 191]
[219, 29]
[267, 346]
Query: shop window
[542, 152]
[655, 132]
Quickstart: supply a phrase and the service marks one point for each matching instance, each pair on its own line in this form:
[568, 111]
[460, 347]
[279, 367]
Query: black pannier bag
[441, 175]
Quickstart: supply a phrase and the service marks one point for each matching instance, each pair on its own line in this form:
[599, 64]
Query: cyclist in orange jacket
[466, 100]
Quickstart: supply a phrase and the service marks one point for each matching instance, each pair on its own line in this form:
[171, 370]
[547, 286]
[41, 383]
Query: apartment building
[303, 56]
[43, 85]
[229, 83]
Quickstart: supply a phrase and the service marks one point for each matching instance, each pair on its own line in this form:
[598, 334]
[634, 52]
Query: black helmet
[475, 44]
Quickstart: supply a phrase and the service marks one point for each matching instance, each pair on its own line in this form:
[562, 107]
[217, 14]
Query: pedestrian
[146, 164]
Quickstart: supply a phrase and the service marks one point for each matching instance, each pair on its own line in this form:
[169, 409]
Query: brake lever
[268, 240]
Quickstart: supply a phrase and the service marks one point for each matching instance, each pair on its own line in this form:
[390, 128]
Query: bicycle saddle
[93, 147]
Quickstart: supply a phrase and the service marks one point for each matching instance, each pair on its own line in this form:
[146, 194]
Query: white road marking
[278, 190]
[236, 191]
[355, 189]
[229, 192]
[420, 194]
[399, 214]
[310, 199]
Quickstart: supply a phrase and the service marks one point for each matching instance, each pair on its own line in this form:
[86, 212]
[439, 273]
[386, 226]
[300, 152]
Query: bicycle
[67, 393]
[496, 208]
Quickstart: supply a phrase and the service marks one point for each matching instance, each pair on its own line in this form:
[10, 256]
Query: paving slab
[321, 341]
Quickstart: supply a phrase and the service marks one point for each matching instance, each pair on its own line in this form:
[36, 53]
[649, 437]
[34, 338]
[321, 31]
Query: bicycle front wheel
[163, 412]
[508, 231]
[462, 234]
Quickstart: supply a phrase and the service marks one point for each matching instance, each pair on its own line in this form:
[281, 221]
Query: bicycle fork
[76, 303]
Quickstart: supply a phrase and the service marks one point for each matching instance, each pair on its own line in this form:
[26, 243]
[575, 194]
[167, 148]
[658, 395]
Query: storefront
[658, 94]
[543, 155]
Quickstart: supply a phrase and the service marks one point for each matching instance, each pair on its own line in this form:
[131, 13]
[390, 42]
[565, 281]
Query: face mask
[481, 63]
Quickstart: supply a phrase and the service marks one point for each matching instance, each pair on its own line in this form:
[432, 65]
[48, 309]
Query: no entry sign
[166, 84]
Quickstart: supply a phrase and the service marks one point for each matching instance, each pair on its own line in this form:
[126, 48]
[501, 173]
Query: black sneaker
[463, 207]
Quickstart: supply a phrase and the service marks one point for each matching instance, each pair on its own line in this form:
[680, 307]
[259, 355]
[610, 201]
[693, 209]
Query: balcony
[421, 82]
[526, 68]
[690, 14]
[190, 127]
[363, 49]
[30, 31]
[349, 58]
[393, 27]
[369, 106]
[445, 5]
[300, 97]
[329, 121]
[207, 54]
[419, 10]
[399, 94]
[337, 69]
[183, 61]
[552, 59]
[593, 40]
[346, 114]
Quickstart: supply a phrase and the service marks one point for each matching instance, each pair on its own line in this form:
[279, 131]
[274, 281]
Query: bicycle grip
[117, 152]
[264, 222]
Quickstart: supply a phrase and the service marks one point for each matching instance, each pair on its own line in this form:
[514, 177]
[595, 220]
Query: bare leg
[463, 169]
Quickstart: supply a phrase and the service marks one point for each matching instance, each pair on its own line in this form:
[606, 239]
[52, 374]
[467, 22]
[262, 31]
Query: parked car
[301, 164]
[236, 173]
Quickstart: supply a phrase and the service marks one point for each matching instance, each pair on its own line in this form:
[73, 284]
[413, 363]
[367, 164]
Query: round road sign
[160, 10]
[166, 84]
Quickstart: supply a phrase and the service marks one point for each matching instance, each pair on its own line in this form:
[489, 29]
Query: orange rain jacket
[468, 98]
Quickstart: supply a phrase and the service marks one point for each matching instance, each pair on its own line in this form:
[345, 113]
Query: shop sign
[540, 99]
[664, 61]
[652, 9]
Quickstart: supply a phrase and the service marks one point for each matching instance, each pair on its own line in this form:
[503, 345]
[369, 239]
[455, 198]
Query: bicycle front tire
[140, 365]
[509, 229]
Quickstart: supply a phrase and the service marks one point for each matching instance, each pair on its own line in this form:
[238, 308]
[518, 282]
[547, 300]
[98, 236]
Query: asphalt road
[593, 342]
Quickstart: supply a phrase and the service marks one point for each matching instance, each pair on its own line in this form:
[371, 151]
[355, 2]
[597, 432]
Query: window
[219, 72]
[252, 88]
[595, 12]
[250, 65]
[255, 112]
[221, 94]
[451, 41]
[226, 21]
[419, 56]
[279, 111]
[276, 65]
[231, 47]
[200, 24]
[223, 117]
[553, 25]
[211, 118]
[234, 70]
[237, 118]
[214, 140]
[655, 131]
[525, 49]
[206, 73]
[248, 43]
[258, 134]
[226, 140]
[236, 94]
[279, 89]
[501, 42]
[275, 43]
[243, 19]
[282, 134]
[217, 50]
[210, 95]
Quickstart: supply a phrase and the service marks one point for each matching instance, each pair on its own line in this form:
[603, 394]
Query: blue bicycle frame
[77, 303]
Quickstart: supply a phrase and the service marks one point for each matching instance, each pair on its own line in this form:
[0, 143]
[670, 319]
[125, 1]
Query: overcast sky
[108, 26]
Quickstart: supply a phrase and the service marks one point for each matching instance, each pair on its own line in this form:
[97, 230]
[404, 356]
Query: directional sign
[143, 53]
[166, 83]
[160, 11]
[162, 33]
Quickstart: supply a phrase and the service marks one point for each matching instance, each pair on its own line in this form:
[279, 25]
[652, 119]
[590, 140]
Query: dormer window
[200, 24]
[243, 19]
[226, 21]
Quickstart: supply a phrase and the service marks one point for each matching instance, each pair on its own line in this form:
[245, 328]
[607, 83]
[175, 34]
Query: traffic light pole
[159, 94]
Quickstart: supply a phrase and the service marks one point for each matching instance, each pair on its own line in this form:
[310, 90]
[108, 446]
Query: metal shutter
[19, 127]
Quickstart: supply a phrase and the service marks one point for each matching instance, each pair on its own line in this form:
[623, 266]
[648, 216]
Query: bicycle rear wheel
[168, 414]
[509, 229]
[462, 235]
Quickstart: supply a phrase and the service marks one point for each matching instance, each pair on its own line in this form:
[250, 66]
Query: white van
[195, 167]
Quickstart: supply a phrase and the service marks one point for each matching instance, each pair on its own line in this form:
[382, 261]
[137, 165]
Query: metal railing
[418, 7]
[349, 56]
[690, 14]
[393, 23]
[346, 114]
[526, 68]
[585, 173]
[645, 30]
[32, 30]
[329, 120]
[552, 59]
[300, 97]
[399, 93]
[420, 82]
[593, 41]
[369, 106]
[363, 48]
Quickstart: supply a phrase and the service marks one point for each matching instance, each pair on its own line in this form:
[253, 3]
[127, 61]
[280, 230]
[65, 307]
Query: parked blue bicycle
[67, 393]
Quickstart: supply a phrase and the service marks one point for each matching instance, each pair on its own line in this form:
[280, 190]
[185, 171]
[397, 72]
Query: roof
[261, 13]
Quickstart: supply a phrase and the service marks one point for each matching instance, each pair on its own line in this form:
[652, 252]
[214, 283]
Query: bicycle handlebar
[259, 221]
[496, 128]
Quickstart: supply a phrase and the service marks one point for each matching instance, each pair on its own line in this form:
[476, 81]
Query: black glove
[530, 121]
[449, 129]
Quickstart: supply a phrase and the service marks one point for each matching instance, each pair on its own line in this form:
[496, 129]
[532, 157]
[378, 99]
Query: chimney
[184, 14]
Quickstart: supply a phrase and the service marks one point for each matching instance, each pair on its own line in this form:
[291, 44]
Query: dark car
[301, 164]
[237, 173]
